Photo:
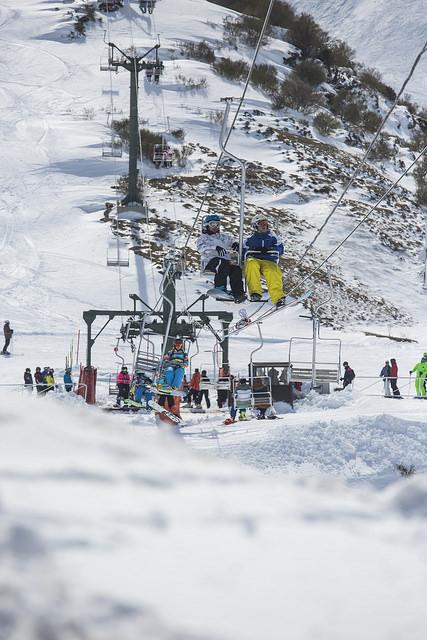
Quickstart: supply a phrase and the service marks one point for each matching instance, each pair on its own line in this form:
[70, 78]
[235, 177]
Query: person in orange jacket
[123, 385]
[195, 386]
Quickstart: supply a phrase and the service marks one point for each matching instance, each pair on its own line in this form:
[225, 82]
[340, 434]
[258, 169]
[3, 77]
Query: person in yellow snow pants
[254, 269]
[261, 252]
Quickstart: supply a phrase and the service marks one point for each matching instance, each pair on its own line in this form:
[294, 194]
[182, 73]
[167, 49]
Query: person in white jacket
[214, 247]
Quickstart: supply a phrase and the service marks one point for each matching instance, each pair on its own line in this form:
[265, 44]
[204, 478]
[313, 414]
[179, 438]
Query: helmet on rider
[178, 343]
[260, 222]
[211, 223]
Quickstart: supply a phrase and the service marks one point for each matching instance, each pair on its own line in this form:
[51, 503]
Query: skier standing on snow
[50, 380]
[261, 252]
[68, 382]
[349, 375]
[123, 385]
[39, 380]
[174, 363]
[203, 393]
[28, 380]
[421, 372]
[214, 247]
[385, 375]
[8, 333]
[243, 397]
[393, 377]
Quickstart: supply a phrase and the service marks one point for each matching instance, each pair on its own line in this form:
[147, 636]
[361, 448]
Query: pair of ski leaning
[260, 252]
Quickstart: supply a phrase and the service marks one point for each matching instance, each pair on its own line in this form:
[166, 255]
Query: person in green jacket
[421, 370]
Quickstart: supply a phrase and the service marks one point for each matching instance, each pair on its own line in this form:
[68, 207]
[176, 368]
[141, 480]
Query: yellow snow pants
[255, 268]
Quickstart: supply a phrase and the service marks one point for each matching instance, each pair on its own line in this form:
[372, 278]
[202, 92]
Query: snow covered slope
[385, 35]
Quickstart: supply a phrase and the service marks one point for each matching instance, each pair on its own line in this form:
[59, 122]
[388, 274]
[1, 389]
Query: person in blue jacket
[174, 363]
[68, 382]
[261, 252]
[143, 391]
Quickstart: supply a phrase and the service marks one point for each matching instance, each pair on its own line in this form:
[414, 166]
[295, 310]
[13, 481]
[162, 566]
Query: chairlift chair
[162, 155]
[112, 148]
[117, 254]
[147, 5]
[109, 5]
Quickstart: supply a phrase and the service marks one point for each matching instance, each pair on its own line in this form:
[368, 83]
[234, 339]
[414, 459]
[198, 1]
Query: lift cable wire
[110, 72]
[366, 154]
[365, 217]
[239, 106]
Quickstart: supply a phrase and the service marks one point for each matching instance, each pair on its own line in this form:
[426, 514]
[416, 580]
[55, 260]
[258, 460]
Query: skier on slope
[261, 252]
[214, 247]
[68, 382]
[385, 375]
[28, 380]
[8, 333]
[174, 364]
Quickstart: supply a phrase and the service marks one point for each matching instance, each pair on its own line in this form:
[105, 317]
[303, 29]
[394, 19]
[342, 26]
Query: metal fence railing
[31, 389]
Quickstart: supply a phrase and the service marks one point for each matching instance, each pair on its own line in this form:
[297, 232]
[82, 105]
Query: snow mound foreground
[103, 523]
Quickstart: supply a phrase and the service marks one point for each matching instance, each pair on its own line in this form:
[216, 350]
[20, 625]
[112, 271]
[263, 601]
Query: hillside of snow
[385, 35]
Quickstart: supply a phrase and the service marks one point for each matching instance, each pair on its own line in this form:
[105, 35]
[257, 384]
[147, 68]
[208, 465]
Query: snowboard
[158, 407]
[220, 295]
[167, 392]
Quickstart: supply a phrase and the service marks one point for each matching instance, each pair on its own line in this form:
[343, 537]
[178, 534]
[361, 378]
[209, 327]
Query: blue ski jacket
[262, 243]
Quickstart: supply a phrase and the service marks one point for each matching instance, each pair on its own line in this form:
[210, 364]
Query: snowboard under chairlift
[117, 254]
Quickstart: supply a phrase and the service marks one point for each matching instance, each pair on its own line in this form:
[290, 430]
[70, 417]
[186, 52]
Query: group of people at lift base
[260, 255]
[44, 380]
[389, 374]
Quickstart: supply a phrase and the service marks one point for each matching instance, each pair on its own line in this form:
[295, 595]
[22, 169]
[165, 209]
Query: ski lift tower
[133, 62]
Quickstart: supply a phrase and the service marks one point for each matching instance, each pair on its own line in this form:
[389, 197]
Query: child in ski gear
[393, 377]
[243, 397]
[214, 247]
[349, 375]
[123, 385]
[68, 382]
[385, 375]
[203, 393]
[50, 380]
[174, 363]
[142, 391]
[39, 380]
[8, 333]
[421, 373]
[28, 380]
[261, 252]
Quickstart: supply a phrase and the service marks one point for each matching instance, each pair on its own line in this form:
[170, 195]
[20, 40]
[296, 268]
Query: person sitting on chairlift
[214, 246]
[174, 363]
[261, 252]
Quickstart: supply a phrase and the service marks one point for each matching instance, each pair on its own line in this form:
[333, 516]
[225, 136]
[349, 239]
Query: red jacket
[393, 370]
[123, 378]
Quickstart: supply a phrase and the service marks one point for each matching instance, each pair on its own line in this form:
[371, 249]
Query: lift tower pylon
[134, 63]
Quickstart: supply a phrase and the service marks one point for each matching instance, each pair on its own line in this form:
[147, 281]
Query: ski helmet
[210, 222]
[178, 341]
[259, 217]
[345, 363]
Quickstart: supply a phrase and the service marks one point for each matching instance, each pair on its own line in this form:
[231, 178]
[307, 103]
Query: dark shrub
[296, 94]
[231, 69]
[371, 121]
[306, 34]
[198, 51]
[264, 76]
[420, 175]
[336, 54]
[352, 112]
[178, 134]
[282, 13]
[418, 141]
[371, 78]
[325, 123]
[244, 29]
[382, 150]
[311, 72]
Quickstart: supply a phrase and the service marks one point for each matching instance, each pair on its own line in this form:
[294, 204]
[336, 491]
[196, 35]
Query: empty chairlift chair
[112, 148]
[147, 5]
[110, 5]
[117, 253]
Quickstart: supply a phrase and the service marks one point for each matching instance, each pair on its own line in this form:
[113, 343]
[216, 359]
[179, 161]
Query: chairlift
[109, 5]
[162, 155]
[105, 65]
[117, 254]
[112, 148]
[147, 5]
